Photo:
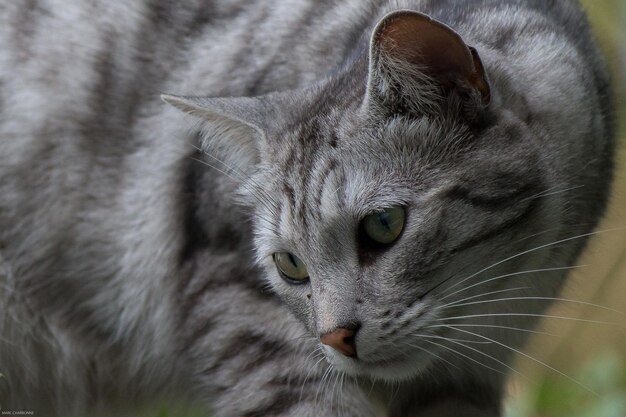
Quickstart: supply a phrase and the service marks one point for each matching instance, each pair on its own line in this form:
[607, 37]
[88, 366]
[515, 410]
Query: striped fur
[136, 252]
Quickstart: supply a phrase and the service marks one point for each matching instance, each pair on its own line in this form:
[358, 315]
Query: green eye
[385, 226]
[291, 266]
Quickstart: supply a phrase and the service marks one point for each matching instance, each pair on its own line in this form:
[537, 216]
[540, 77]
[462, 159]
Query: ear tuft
[254, 112]
[233, 129]
[190, 105]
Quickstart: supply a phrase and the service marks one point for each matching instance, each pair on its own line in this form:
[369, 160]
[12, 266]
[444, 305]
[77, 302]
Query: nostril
[349, 346]
[342, 340]
[350, 339]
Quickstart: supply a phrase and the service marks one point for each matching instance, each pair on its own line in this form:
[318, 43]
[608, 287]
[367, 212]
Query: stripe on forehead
[307, 163]
[298, 165]
[308, 203]
[323, 175]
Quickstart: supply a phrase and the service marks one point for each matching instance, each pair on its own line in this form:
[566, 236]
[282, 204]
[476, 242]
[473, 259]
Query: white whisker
[483, 295]
[512, 274]
[525, 252]
[308, 374]
[549, 192]
[564, 300]
[450, 339]
[242, 179]
[531, 358]
[465, 356]
[438, 357]
[530, 315]
[486, 355]
[494, 326]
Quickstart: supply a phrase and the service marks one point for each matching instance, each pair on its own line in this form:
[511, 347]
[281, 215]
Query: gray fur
[136, 268]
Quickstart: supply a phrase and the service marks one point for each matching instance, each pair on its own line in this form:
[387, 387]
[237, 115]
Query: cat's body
[127, 268]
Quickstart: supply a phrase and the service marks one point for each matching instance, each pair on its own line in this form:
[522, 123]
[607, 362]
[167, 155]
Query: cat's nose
[342, 340]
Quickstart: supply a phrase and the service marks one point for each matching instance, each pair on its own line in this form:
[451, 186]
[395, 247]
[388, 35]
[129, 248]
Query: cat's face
[369, 230]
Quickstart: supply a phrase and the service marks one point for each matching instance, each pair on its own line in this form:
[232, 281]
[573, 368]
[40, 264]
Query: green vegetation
[605, 396]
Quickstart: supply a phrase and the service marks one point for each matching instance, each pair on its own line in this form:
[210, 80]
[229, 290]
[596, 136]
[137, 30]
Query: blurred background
[592, 354]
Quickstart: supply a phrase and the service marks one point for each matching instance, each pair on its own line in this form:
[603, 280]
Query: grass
[605, 378]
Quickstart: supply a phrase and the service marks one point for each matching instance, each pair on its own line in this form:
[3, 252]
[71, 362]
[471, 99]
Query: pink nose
[342, 340]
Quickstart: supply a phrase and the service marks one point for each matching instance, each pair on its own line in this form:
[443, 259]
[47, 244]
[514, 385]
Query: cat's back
[80, 81]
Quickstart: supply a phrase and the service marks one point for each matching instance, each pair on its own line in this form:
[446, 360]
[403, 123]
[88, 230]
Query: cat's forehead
[323, 170]
[315, 132]
[349, 141]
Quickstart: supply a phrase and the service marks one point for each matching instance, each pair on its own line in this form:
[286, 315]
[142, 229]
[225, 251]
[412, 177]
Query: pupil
[293, 260]
[383, 218]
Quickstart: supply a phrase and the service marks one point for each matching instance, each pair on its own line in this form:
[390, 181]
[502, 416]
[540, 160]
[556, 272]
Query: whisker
[549, 192]
[467, 264]
[536, 249]
[530, 315]
[242, 176]
[242, 179]
[564, 300]
[495, 326]
[342, 403]
[483, 295]
[512, 274]
[323, 381]
[531, 358]
[215, 168]
[450, 339]
[332, 391]
[432, 354]
[308, 374]
[465, 356]
[488, 356]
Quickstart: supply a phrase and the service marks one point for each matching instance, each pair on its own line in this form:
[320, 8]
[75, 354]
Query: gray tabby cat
[368, 222]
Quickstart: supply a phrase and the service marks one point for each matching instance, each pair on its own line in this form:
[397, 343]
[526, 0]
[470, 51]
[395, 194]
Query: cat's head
[380, 194]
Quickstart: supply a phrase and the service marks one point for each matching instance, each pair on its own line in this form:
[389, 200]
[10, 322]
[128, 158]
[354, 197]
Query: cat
[365, 211]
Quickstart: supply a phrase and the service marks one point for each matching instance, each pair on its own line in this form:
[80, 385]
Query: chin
[390, 369]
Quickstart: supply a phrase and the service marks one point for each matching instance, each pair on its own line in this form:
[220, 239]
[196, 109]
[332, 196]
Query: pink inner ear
[425, 43]
[433, 48]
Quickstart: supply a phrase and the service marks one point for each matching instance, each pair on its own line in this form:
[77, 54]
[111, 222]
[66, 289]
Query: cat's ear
[233, 129]
[415, 60]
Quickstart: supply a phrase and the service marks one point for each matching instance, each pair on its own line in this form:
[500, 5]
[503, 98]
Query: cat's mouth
[394, 367]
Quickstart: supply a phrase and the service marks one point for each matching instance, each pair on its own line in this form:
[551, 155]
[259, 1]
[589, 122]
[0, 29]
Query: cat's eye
[291, 267]
[385, 226]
